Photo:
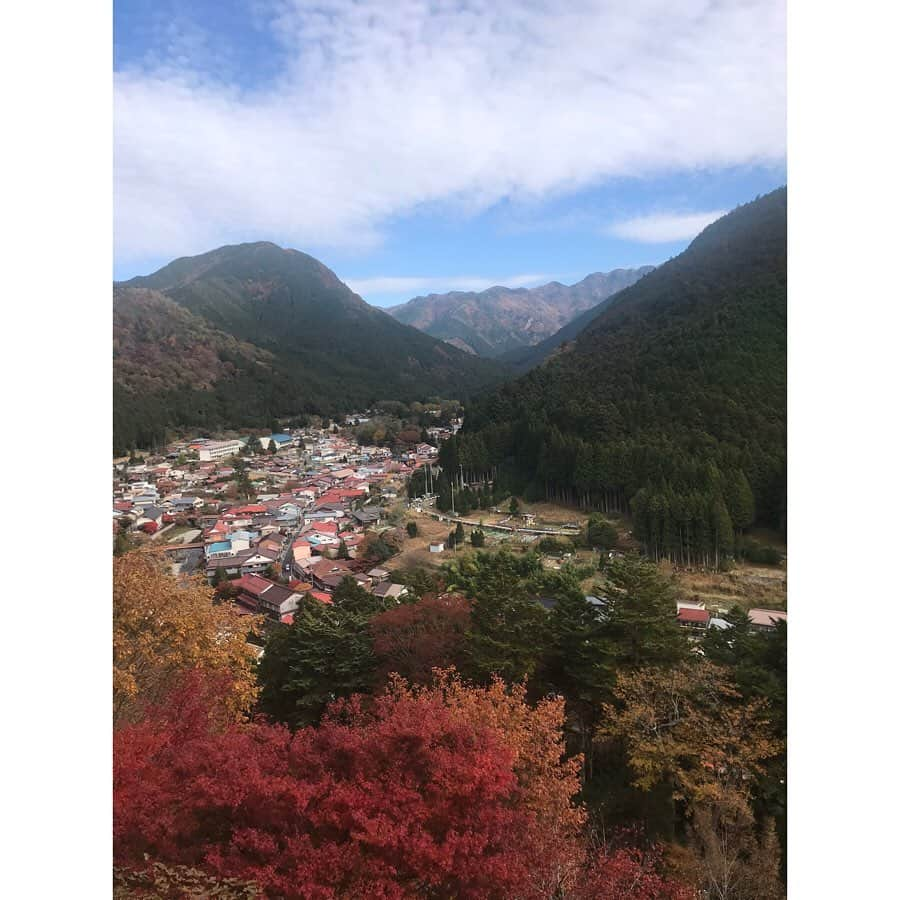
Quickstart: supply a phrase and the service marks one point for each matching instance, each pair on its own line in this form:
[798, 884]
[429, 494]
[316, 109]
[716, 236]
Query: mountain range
[503, 320]
[249, 333]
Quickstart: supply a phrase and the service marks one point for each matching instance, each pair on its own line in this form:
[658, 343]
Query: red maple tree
[447, 791]
[629, 873]
[397, 799]
[414, 638]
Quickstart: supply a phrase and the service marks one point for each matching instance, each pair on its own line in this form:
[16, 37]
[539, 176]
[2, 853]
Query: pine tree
[579, 663]
[326, 653]
[509, 629]
[641, 628]
[739, 499]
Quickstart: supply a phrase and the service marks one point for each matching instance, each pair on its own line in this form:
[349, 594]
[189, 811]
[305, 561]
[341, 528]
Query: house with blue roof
[219, 549]
[280, 441]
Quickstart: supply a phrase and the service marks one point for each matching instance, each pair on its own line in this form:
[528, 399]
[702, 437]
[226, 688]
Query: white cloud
[382, 108]
[412, 284]
[661, 228]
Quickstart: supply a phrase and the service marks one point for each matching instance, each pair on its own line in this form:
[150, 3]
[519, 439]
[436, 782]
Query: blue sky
[418, 147]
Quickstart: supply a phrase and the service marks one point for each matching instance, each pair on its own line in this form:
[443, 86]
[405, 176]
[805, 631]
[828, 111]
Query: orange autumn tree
[689, 727]
[164, 626]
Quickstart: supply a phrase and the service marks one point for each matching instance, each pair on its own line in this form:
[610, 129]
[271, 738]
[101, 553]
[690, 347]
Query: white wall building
[219, 450]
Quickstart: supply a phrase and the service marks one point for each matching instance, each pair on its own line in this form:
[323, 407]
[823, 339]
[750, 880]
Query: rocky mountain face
[500, 320]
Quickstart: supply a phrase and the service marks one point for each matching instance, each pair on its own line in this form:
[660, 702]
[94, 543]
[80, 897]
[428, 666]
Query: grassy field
[415, 552]
[175, 534]
[747, 585]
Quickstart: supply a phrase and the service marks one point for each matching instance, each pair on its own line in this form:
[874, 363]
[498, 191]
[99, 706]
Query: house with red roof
[693, 617]
[261, 594]
[327, 574]
[325, 528]
[244, 511]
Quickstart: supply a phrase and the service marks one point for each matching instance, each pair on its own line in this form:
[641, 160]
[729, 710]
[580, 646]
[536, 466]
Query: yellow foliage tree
[164, 626]
[688, 727]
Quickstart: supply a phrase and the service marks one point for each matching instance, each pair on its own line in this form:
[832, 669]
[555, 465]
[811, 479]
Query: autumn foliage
[414, 638]
[629, 873]
[689, 728]
[393, 799]
[447, 791]
[164, 626]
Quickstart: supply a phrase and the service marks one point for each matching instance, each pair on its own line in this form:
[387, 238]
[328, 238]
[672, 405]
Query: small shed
[436, 547]
[691, 617]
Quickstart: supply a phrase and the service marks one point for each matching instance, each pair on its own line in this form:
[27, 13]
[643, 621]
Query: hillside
[522, 359]
[500, 320]
[251, 332]
[671, 403]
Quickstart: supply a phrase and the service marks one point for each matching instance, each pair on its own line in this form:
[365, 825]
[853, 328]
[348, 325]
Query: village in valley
[275, 520]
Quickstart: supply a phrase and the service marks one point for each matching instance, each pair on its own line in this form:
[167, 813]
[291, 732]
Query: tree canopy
[164, 626]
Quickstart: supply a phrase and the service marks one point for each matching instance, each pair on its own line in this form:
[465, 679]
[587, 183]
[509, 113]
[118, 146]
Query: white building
[219, 450]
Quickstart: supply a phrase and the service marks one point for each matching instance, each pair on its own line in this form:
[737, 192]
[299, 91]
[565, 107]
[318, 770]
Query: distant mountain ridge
[502, 320]
[248, 333]
[522, 359]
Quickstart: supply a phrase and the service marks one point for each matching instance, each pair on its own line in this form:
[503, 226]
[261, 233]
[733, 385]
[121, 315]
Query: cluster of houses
[318, 497]
[694, 616]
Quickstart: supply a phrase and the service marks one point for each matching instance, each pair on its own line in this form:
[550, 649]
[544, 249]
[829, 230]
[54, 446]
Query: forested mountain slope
[671, 403]
[251, 332]
[500, 319]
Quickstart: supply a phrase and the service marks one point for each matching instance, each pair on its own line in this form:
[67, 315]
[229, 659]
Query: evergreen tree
[325, 654]
[241, 478]
[343, 552]
[599, 533]
[723, 534]
[640, 627]
[122, 542]
[350, 596]
[412, 529]
[508, 630]
[579, 662]
[739, 499]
